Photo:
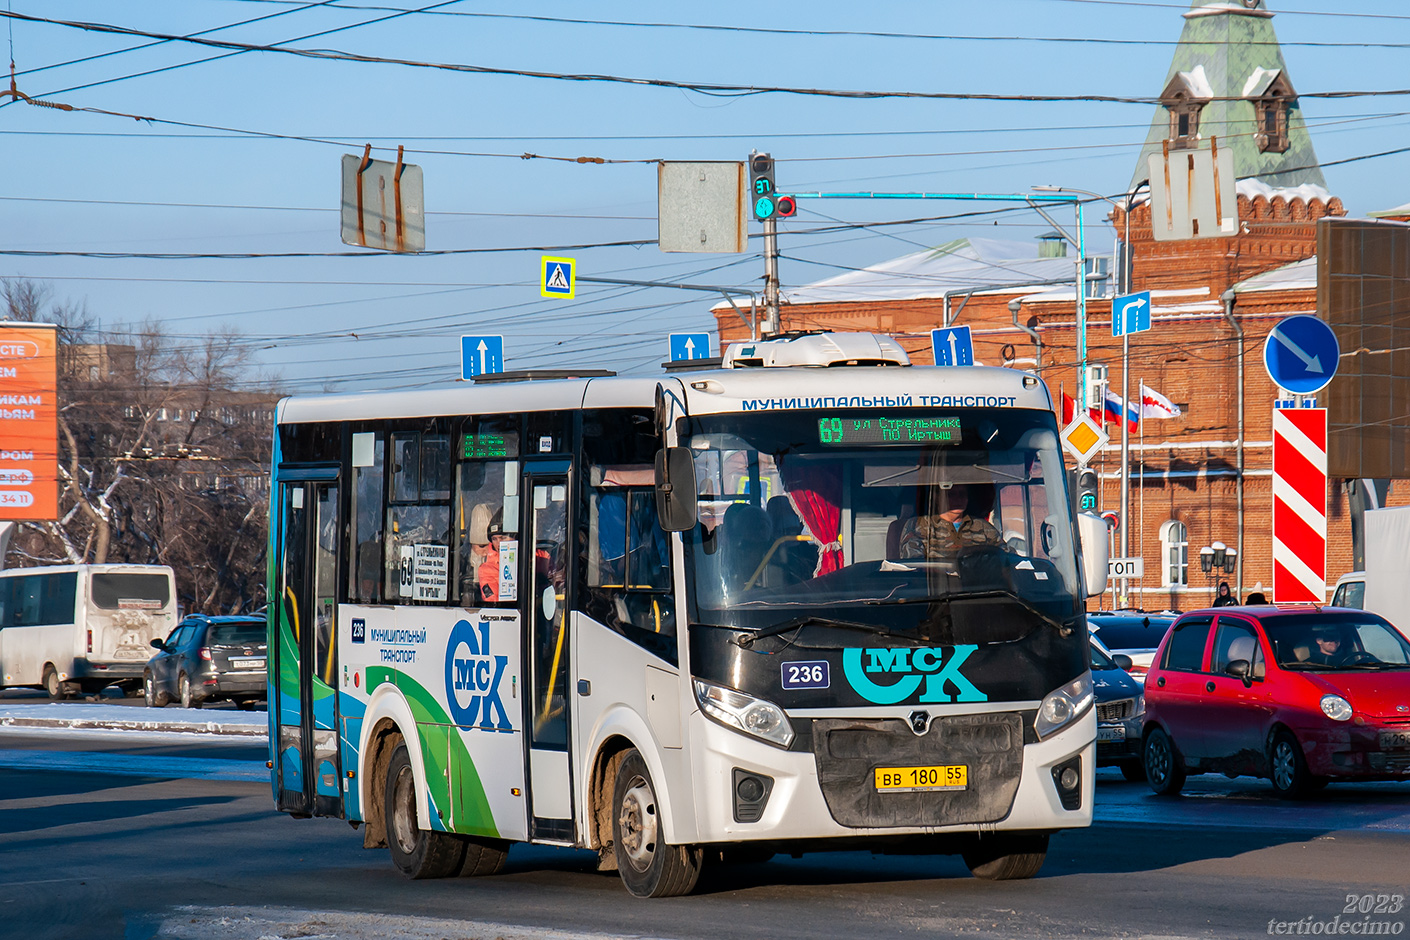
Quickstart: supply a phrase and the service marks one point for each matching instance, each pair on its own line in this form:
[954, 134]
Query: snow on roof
[1306, 192]
[976, 264]
[1210, 9]
[1389, 213]
[1259, 81]
[1197, 82]
[1300, 275]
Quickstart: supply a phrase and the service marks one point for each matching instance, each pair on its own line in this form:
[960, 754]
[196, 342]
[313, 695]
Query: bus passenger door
[304, 652]
[545, 566]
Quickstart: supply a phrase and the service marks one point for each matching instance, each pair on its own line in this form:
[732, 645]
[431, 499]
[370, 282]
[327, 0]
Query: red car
[1300, 695]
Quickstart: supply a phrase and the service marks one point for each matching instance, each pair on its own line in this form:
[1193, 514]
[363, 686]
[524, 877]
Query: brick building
[1214, 301]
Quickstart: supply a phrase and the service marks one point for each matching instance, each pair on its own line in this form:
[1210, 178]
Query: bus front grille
[848, 752]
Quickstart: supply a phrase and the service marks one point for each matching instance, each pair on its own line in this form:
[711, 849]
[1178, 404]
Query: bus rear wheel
[1007, 857]
[52, 685]
[650, 867]
[419, 853]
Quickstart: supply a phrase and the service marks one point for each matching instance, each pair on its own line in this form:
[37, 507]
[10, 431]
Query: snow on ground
[274, 923]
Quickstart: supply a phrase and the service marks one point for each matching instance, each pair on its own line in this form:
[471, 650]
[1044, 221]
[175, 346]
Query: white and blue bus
[810, 597]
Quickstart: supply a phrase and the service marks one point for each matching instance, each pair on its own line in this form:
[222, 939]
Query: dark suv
[206, 659]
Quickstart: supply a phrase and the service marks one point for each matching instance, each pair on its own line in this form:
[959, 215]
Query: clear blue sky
[82, 181]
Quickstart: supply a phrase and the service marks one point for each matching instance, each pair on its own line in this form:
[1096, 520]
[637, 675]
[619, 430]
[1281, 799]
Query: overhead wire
[707, 88]
[849, 33]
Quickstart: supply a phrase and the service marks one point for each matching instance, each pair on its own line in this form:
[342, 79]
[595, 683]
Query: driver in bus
[946, 526]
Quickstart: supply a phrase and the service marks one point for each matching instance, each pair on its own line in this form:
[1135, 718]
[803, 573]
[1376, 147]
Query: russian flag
[1113, 412]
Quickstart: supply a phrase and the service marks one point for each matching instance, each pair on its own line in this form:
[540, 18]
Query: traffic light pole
[771, 319]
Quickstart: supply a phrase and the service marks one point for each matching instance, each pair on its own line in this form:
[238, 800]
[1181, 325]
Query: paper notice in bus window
[430, 572]
[509, 571]
[138, 603]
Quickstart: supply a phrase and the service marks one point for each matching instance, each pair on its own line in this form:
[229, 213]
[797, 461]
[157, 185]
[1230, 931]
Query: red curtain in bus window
[816, 495]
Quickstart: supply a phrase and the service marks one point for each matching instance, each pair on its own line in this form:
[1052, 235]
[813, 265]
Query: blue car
[1121, 707]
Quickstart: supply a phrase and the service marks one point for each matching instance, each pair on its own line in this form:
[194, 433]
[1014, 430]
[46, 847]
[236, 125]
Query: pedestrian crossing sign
[556, 277]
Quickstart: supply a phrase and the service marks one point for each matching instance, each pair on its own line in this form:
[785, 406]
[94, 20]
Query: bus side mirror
[1092, 534]
[675, 489]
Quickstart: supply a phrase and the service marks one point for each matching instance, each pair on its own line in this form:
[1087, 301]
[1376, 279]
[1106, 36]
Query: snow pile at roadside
[86, 715]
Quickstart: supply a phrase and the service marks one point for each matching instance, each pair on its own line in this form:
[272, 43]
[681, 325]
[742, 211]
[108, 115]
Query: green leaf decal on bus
[442, 749]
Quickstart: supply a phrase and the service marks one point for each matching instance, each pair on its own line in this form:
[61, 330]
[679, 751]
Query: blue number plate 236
[806, 675]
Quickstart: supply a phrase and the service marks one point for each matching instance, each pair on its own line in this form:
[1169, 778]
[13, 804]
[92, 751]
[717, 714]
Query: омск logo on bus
[473, 678]
[926, 664]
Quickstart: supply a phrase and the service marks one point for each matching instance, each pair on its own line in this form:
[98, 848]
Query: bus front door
[308, 779]
[545, 568]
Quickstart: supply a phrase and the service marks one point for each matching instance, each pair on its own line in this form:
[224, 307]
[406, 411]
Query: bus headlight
[753, 716]
[1064, 706]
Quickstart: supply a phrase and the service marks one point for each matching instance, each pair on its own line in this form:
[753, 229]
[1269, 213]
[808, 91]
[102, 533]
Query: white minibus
[79, 628]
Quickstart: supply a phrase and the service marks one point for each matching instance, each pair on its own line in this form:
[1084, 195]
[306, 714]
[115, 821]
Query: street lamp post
[1124, 282]
[1218, 557]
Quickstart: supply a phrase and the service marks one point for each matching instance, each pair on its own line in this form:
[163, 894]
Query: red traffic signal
[786, 206]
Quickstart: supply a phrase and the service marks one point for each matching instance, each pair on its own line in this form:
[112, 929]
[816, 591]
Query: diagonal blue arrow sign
[1301, 354]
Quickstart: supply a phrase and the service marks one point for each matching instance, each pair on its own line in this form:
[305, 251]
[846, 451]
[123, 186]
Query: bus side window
[369, 471]
[486, 496]
[625, 555]
[417, 532]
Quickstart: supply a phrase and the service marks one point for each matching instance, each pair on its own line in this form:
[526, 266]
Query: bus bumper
[797, 809]
[83, 669]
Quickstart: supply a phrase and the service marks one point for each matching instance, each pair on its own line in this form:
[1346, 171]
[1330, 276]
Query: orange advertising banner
[29, 428]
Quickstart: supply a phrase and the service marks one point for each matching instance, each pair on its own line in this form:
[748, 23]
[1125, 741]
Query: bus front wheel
[419, 853]
[1007, 857]
[649, 866]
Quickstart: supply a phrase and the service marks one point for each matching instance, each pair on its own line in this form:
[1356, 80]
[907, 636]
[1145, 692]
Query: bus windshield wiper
[976, 595]
[745, 642]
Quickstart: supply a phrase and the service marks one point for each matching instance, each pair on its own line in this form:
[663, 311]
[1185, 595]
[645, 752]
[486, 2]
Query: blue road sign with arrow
[481, 355]
[952, 346]
[690, 346]
[1131, 313]
[1302, 354]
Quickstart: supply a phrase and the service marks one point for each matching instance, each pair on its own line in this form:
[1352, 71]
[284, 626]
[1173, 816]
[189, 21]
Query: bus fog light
[753, 716]
[1067, 778]
[1064, 706]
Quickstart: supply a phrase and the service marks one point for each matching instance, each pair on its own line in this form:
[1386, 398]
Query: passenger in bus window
[946, 526]
[478, 538]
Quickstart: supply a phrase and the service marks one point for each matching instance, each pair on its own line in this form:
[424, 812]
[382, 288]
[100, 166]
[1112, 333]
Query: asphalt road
[138, 836]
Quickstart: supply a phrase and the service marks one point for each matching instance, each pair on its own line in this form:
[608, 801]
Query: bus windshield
[882, 518]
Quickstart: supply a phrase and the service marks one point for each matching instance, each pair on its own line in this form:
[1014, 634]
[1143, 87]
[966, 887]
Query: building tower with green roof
[1228, 79]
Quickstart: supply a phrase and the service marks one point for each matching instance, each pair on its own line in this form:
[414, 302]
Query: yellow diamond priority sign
[1083, 438]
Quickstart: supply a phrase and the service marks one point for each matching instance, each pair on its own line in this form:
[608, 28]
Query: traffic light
[1087, 490]
[761, 186]
[785, 206]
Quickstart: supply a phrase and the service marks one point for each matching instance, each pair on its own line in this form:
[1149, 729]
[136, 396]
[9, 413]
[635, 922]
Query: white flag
[1156, 405]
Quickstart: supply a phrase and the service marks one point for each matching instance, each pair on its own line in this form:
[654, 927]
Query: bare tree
[163, 459]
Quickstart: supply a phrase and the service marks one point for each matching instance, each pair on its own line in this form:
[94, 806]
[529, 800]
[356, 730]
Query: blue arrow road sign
[952, 346]
[481, 355]
[690, 346]
[1131, 314]
[1301, 354]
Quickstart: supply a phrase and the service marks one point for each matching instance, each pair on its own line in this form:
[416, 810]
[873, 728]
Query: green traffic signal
[761, 184]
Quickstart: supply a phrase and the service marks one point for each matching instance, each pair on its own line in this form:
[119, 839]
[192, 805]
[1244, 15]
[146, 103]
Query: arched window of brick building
[1175, 554]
